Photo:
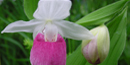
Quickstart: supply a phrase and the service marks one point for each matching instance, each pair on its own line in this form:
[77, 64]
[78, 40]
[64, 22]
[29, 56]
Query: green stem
[73, 45]
[69, 45]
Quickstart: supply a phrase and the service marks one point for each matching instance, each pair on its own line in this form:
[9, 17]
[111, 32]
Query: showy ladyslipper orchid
[50, 13]
[96, 50]
[49, 22]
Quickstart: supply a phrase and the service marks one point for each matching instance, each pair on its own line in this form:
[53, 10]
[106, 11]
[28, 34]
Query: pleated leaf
[118, 38]
[117, 29]
[103, 14]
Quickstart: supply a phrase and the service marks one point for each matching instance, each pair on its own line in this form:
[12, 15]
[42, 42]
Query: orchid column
[48, 28]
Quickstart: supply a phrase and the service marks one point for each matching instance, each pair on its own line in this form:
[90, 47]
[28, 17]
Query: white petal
[73, 31]
[52, 9]
[51, 32]
[38, 29]
[21, 26]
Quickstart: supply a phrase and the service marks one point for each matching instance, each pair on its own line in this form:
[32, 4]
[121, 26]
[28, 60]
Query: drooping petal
[21, 26]
[73, 31]
[53, 9]
[48, 53]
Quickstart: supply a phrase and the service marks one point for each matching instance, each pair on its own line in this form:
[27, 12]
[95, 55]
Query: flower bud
[96, 50]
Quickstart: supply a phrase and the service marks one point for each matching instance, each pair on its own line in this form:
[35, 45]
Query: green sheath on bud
[96, 50]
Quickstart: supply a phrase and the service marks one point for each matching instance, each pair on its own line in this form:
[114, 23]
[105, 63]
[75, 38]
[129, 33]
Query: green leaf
[102, 15]
[15, 43]
[118, 38]
[76, 58]
[117, 29]
[30, 7]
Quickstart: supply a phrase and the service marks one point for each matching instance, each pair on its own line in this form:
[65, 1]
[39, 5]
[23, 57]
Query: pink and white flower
[49, 23]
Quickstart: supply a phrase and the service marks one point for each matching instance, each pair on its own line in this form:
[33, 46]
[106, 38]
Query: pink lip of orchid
[48, 53]
[48, 23]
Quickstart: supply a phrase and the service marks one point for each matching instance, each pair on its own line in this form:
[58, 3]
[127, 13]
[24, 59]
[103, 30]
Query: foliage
[117, 30]
[15, 47]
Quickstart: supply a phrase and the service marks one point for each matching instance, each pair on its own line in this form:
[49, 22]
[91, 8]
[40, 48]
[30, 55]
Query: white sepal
[73, 31]
[21, 26]
[38, 29]
[54, 10]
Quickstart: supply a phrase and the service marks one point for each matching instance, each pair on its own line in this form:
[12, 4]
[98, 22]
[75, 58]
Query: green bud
[96, 50]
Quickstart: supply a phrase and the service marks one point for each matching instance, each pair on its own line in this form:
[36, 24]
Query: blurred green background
[15, 47]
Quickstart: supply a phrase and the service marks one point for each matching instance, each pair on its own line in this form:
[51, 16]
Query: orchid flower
[47, 27]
